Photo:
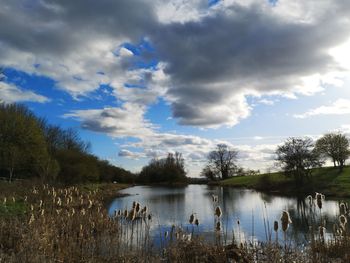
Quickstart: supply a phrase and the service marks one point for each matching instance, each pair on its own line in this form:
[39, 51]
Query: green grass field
[328, 180]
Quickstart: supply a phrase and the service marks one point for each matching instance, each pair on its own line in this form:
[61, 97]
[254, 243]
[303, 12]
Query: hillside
[328, 180]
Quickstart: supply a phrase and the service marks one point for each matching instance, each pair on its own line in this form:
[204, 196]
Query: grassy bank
[328, 180]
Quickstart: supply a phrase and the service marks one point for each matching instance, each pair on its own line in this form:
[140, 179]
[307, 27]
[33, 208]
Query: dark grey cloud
[242, 49]
[57, 27]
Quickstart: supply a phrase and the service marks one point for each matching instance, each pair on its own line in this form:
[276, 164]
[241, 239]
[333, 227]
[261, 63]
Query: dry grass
[72, 225]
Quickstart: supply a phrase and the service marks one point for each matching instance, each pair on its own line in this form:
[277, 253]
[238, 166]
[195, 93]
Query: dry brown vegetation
[72, 225]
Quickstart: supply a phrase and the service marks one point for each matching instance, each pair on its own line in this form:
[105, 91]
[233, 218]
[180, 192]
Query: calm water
[174, 206]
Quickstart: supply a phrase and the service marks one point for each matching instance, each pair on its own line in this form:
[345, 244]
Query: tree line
[31, 147]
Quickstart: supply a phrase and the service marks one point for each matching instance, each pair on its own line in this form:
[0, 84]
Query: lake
[255, 211]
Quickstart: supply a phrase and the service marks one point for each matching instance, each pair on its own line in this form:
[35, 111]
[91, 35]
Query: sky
[139, 79]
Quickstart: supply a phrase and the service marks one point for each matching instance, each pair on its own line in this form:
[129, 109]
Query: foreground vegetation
[71, 224]
[329, 180]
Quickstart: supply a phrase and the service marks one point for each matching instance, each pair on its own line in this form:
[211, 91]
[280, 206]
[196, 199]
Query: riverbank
[327, 180]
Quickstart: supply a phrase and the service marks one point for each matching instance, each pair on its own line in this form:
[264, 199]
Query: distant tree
[222, 161]
[170, 169]
[208, 173]
[334, 146]
[297, 157]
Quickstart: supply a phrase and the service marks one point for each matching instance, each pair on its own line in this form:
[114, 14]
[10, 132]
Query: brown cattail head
[218, 226]
[309, 198]
[149, 216]
[319, 198]
[218, 212]
[132, 214]
[275, 226]
[144, 210]
[191, 219]
[196, 222]
[138, 207]
[342, 208]
[343, 220]
[126, 213]
[285, 220]
[133, 204]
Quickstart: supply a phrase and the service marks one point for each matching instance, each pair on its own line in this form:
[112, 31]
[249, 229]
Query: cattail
[132, 215]
[118, 213]
[59, 201]
[133, 204]
[196, 222]
[126, 213]
[238, 222]
[343, 220]
[275, 226]
[309, 198]
[322, 231]
[218, 226]
[144, 210]
[149, 216]
[31, 220]
[218, 212]
[137, 207]
[342, 208]
[319, 198]
[285, 220]
[191, 219]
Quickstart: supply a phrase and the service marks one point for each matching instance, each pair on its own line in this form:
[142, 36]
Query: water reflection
[256, 211]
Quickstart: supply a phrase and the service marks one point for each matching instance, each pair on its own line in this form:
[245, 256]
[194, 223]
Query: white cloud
[117, 122]
[266, 102]
[339, 107]
[9, 93]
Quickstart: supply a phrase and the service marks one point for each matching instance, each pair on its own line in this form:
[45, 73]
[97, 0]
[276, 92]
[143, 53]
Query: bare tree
[334, 146]
[222, 161]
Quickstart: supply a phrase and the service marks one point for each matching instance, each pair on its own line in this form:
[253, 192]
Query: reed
[70, 225]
